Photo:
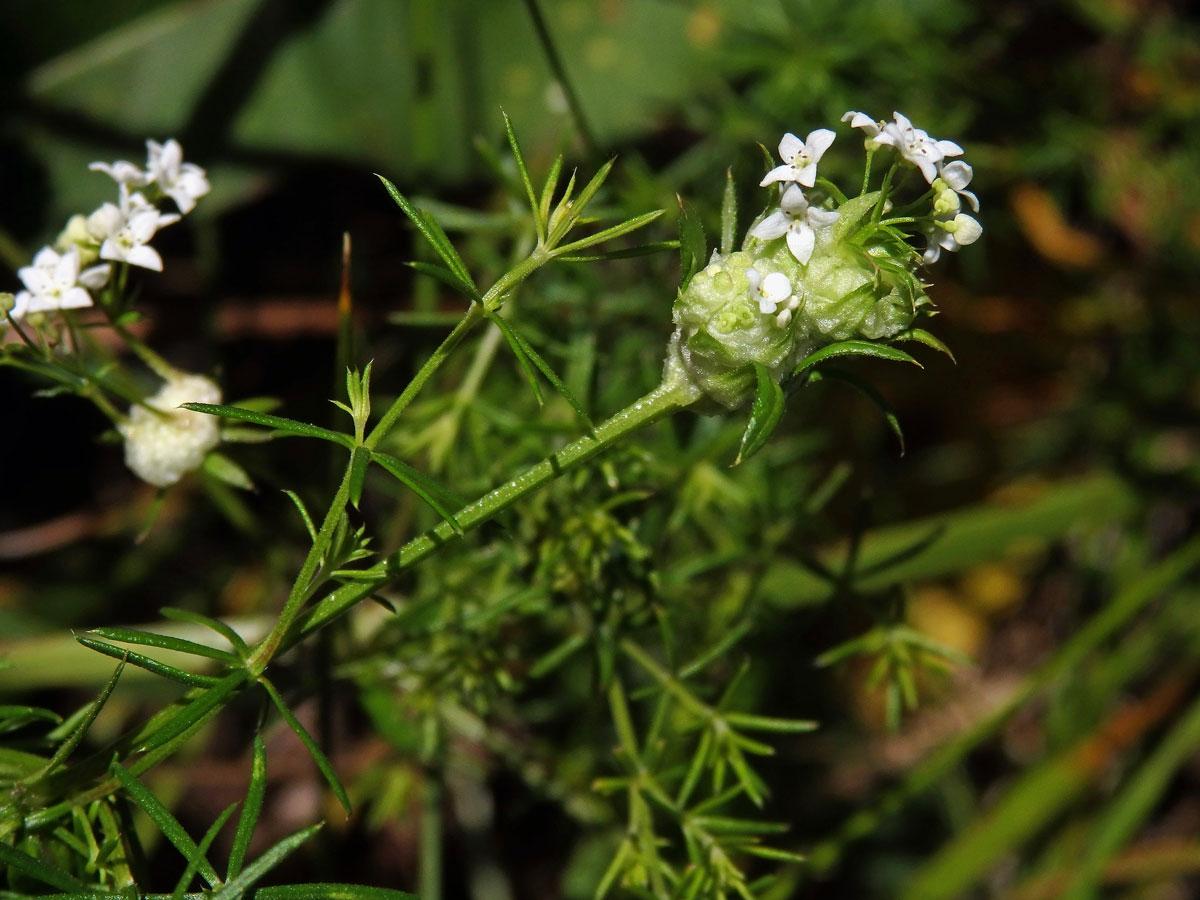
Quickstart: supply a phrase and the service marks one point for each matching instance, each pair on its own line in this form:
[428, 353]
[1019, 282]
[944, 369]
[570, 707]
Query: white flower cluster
[951, 228]
[117, 232]
[163, 442]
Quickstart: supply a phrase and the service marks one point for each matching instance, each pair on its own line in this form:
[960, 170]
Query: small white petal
[966, 230]
[822, 218]
[818, 142]
[789, 146]
[75, 298]
[96, 277]
[800, 240]
[777, 287]
[949, 148]
[779, 173]
[957, 174]
[772, 226]
[793, 202]
[145, 256]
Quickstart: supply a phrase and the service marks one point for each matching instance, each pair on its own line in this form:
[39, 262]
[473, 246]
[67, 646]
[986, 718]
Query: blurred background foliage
[1042, 520]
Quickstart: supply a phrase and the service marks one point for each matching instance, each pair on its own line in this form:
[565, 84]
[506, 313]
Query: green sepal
[765, 414]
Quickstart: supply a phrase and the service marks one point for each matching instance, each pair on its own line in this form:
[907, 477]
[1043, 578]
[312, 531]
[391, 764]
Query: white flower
[916, 145]
[124, 231]
[800, 158]
[182, 182]
[160, 448]
[54, 282]
[798, 221]
[769, 290]
[951, 233]
[123, 173]
[870, 126]
[954, 178]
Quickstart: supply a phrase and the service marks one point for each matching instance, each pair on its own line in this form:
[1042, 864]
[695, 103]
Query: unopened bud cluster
[817, 269]
[163, 442]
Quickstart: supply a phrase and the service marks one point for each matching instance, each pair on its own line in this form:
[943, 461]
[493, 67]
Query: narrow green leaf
[172, 830]
[195, 618]
[551, 376]
[194, 712]
[767, 723]
[224, 469]
[145, 662]
[251, 809]
[609, 233]
[543, 210]
[14, 717]
[522, 356]
[359, 463]
[422, 485]
[691, 243]
[432, 232]
[237, 888]
[869, 391]
[921, 336]
[769, 404]
[189, 871]
[19, 861]
[624, 253]
[164, 642]
[853, 348]
[308, 522]
[67, 747]
[728, 825]
[775, 854]
[589, 189]
[279, 423]
[729, 213]
[523, 170]
[316, 752]
[444, 275]
[321, 891]
[551, 660]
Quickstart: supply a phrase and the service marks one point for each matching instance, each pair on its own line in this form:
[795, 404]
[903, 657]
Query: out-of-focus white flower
[769, 290]
[798, 220]
[800, 158]
[123, 173]
[161, 447]
[182, 182]
[916, 145]
[54, 282]
[124, 231]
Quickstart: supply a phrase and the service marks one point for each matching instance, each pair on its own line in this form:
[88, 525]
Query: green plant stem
[663, 400]
[429, 877]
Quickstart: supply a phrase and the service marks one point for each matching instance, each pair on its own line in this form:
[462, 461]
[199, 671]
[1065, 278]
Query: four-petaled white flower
[769, 290]
[54, 282]
[871, 127]
[182, 182]
[916, 145]
[124, 231]
[798, 220]
[800, 158]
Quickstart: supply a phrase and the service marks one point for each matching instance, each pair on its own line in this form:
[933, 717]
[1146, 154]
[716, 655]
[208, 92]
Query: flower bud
[165, 442]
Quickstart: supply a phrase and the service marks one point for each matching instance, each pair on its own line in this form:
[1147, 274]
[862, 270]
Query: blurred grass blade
[1128, 811]
[14, 717]
[422, 485]
[321, 891]
[853, 348]
[279, 423]
[236, 889]
[316, 752]
[251, 809]
[172, 830]
[189, 871]
[145, 662]
[67, 747]
[769, 404]
[17, 861]
[164, 642]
